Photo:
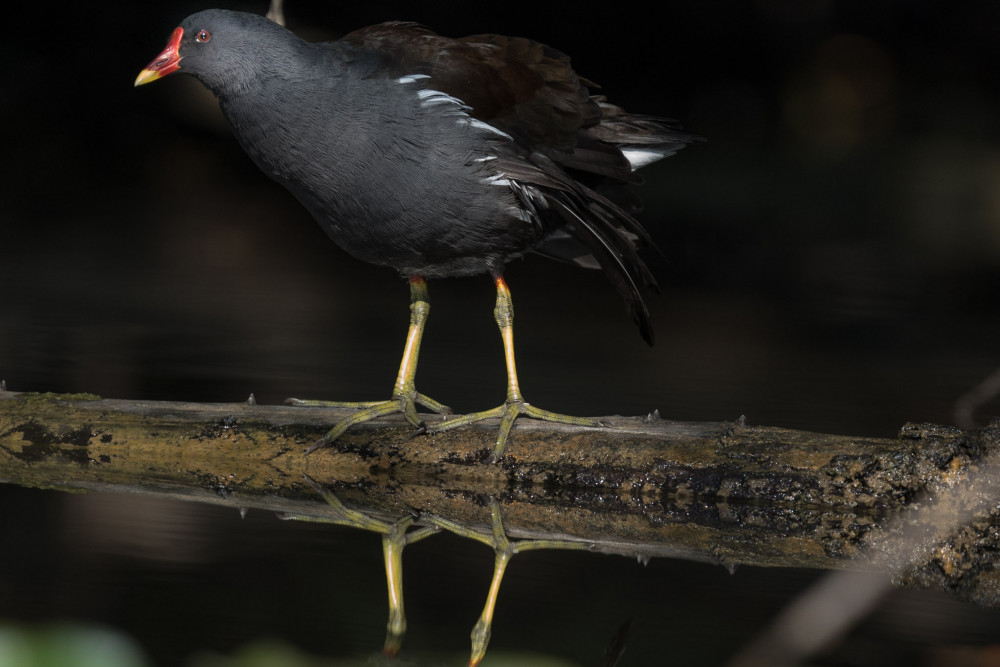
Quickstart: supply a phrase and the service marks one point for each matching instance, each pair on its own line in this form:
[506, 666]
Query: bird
[436, 157]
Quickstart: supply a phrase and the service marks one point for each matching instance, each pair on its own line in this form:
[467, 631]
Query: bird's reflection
[410, 528]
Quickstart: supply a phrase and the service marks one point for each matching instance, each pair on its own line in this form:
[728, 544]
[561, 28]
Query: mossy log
[727, 492]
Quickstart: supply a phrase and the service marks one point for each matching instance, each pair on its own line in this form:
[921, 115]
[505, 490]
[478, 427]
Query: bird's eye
[203, 36]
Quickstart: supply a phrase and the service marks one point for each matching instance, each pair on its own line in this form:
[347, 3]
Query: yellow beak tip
[146, 76]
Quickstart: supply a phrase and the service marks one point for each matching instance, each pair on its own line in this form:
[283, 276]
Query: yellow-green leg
[515, 405]
[505, 551]
[392, 550]
[394, 538]
[405, 396]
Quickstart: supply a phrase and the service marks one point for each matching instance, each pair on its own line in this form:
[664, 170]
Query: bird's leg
[395, 536]
[405, 396]
[504, 551]
[515, 405]
[393, 542]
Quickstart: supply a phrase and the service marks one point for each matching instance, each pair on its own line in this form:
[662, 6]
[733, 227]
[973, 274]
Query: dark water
[183, 577]
[832, 263]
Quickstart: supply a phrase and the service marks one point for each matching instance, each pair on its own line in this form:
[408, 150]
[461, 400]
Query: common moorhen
[436, 157]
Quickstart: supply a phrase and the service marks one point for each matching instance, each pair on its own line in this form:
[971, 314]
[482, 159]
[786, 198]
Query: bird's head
[225, 50]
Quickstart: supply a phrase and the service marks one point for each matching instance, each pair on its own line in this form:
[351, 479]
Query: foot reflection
[397, 534]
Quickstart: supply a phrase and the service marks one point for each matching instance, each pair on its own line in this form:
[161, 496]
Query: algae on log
[726, 492]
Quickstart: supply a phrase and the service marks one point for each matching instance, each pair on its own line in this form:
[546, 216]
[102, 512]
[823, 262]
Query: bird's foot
[507, 413]
[504, 550]
[404, 403]
[395, 536]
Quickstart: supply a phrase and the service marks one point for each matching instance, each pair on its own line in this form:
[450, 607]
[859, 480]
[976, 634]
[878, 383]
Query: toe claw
[322, 442]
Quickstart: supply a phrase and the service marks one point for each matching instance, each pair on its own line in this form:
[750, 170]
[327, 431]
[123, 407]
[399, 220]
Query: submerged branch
[725, 492]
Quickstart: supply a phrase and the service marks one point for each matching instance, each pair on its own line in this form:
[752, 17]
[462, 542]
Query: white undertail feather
[640, 157]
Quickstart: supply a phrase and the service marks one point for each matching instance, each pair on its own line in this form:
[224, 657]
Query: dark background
[831, 258]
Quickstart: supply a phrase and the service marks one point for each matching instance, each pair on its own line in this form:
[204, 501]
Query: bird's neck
[247, 74]
[282, 115]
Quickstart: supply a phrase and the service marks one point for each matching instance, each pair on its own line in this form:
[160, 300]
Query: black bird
[435, 157]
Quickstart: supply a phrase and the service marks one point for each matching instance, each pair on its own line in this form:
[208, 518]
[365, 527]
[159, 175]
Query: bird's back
[571, 155]
[439, 156]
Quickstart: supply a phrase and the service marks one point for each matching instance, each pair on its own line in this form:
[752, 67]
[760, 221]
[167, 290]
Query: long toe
[313, 403]
[507, 414]
[367, 411]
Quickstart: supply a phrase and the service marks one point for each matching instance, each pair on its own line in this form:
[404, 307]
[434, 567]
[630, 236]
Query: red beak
[167, 62]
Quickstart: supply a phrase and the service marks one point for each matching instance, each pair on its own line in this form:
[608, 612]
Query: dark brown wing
[517, 85]
[572, 152]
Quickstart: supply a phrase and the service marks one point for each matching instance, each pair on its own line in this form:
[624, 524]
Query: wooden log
[727, 492]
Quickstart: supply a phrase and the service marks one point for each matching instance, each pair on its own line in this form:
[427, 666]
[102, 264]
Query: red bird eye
[203, 36]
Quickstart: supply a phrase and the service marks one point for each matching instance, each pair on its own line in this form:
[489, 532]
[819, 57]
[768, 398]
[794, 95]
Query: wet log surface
[726, 492]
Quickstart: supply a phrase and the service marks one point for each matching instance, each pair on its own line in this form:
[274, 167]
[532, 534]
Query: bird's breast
[395, 173]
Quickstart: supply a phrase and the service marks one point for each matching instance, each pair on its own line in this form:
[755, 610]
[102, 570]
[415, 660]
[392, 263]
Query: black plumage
[434, 156]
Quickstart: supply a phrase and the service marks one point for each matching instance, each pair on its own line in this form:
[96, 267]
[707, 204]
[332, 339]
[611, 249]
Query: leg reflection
[505, 551]
[395, 536]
